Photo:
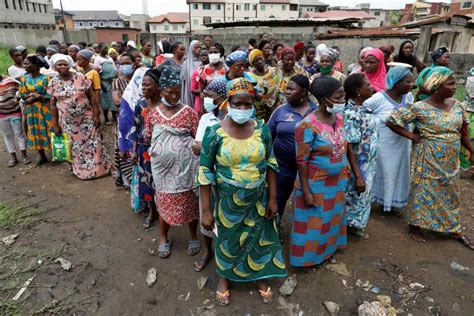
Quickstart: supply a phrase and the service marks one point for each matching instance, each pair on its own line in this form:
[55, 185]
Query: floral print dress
[90, 159]
[361, 128]
[434, 201]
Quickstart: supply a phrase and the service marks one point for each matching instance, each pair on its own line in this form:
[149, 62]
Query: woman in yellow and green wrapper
[465, 155]
[237, 158]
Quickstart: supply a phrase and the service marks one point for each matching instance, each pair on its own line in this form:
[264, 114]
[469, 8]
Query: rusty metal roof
[432, 20]
[331, 14]
[376, 32]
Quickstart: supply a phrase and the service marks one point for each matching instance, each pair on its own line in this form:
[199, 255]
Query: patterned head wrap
[435, 55]
[239, 86]
[287, 51]
[436, 78]
[235, 57]
[218, 86]
[324, 87]
[253, 54]
[169, 78]
[396, 74]
[112, 51]
[331, 53]
[86, 53]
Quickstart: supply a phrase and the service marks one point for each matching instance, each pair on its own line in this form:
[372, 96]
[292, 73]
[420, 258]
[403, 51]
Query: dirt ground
[91, 225]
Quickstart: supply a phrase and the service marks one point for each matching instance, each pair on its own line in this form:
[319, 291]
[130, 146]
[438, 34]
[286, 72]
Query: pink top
[196, 85]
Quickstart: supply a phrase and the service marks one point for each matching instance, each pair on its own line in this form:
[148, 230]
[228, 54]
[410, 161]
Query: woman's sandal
[148, 222]
[12, 163]
[466, 242]
[202, 263]
[267, 296]
[416, 235]
[27, 161]
[223, 298]
[194, 246]
[164, 250]
[333, 260]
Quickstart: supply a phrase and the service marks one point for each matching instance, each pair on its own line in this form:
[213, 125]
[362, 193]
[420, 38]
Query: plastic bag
[61, 148]
[134, 196]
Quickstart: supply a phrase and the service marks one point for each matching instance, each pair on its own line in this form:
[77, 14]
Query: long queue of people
[222, 142]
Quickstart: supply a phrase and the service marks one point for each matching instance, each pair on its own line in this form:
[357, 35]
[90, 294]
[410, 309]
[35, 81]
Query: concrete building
[64, 20]
[92, 19]
[204, 12]
[27, 14]
[169, 23]
[139, 21]
[382, 17]
[310, 6]
[116, 34]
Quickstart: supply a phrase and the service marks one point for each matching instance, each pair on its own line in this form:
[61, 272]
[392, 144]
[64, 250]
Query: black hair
[175, 46]
[127, 54]
[324, 87]
[262, 44]
[301, 80]
[253, 42]
[37, 60]
[54, 42]
[102, 45]
[219, 47]
[154, 74]
[41, 49]
[352, 83]
[234, 48]
[83, 44]
[308, 46]
[276, 46]
[336, 47]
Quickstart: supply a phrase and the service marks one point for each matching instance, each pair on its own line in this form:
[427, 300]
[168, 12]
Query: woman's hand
[96, 121]
[134, 158]
[360, 184]
[207, 220]
[196, 148]
[308, 199]
[416, 138]
[272, 209]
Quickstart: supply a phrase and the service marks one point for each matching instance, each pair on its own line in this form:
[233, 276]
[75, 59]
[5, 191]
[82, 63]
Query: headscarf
[235, 57]
[299, 46]
[60, 57]
[287, 51]
[189, 66]
[331, 53]
[436, 54]
[154, 74]
[52, 48]
[239, 86]
[253, 54]
[111, 51]
[319, 49]
[377, 78]
[86, 53]
[400, 58]
[436, 78]
[301, 80]
[20, 48]
[169, 78]
[364, 52]
[75, 47]
[132, 43]
[218, 86]
[166, 47]
[324, 87]
[396, 74]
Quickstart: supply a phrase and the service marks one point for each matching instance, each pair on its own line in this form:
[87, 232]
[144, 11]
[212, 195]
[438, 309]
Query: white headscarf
[60, 57]
[319, 49]
[132, 43]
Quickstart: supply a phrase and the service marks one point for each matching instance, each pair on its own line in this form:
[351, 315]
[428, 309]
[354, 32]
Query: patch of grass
[12, 216]
[11, 308]
[5, 61]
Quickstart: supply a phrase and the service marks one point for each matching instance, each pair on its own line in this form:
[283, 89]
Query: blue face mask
[240, 116]
[126, 69]
[163, 100]
[209, 104]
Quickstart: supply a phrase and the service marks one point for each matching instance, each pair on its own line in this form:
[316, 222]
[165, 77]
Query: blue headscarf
[218, 86]
[235, 57]
[395, 74]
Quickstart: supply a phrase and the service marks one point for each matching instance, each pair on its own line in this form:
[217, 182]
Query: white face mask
[215, 58]
[163, 100]
[336, 107]
[209, 104]
[240, 116]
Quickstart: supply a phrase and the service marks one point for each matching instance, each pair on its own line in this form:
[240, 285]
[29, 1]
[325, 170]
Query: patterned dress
[173, 164]
[465, 155]
[434, 202]
[318, 231]
[278, 83]
[361, 128]
[90, 159]
[247, 246]
[142, 190]
[38, 115]
[311, 69]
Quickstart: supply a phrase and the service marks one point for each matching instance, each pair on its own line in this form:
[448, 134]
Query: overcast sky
[156, 7]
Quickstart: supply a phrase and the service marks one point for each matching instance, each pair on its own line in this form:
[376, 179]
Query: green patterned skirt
[247, 246]
[465, 156]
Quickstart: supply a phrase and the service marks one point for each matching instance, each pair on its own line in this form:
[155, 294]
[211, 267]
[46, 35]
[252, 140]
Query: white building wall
[169, 28]
[101, 23]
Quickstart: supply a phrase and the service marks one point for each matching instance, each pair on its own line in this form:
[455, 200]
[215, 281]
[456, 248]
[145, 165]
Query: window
[166, 27]
[206, 19]
[195, 21]
[14, 4]
[91, 24]
[27, 6]
[182, 26]
[247, 7]
[217, 20]
[45, 9]
[195, 6]
[34, 7]
[377, 13]
[238, 7]
[39, 7]
[116, 23]
[6, 4]
[111, 23]
[466, 5]
[255, 7]
[101, 23]
[283, 7]
[293, 7]
[175, 27]
[206, 6]
[262, 7]
[218, 7]
[80, 24]
[20, 4]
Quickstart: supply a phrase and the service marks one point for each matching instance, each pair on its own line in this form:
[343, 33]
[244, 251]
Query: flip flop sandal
[164, 250]
[194, 246]
[466, 242]
[11, 163]
[416, 235]
[223, 298]
[148, 222]
[267, 296]
[27, 161]
[202, 263]
[310, 269]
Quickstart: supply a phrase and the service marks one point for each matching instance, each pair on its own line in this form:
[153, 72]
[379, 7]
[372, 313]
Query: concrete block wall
[28, 38]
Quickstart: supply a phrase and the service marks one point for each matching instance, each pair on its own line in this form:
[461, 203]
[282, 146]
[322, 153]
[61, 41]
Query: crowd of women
[222, 141]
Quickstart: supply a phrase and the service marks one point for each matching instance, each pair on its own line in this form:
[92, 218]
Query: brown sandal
[267, 296]
[466, 242]
[415, 234]
[223, 298]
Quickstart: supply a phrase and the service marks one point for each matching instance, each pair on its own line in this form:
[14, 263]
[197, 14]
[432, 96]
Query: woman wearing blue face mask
[123, 165]
[214, 95]
[319, 226]
[237, 159]
[171, 128]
